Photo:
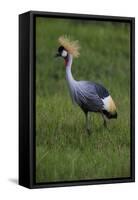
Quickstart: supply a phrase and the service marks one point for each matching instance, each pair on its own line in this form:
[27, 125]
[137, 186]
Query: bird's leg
[87, 123]
[104, 119]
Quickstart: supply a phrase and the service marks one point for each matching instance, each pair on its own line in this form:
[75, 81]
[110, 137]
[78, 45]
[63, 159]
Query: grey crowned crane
[90, 96]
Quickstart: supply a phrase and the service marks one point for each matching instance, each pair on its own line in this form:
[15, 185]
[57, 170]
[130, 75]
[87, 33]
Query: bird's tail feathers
[110, 115]
[109, 107]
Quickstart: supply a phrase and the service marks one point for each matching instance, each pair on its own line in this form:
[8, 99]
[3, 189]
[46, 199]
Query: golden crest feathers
[71, 46]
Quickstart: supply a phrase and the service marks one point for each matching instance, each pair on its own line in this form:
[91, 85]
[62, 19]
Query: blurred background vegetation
[63, 150]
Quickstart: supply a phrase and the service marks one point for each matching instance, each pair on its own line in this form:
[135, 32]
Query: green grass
[64, 151]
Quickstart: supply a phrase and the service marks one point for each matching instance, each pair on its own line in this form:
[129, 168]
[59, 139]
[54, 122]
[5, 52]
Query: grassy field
[63, 149]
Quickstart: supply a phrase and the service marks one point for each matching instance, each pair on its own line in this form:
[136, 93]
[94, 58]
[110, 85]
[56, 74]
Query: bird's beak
[57, 55]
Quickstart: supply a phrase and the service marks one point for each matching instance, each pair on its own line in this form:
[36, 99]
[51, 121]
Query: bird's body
[91, 97]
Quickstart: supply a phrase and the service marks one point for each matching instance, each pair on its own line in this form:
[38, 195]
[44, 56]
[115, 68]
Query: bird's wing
[100, 90]
[87, 98]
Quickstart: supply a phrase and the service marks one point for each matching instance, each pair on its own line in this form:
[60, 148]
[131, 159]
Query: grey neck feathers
[70, 80]
[69, 76]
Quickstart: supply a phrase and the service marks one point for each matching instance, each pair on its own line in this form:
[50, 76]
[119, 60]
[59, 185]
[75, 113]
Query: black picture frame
[27, 98]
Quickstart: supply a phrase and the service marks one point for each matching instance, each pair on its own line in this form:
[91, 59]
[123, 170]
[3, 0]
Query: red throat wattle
[66, 61]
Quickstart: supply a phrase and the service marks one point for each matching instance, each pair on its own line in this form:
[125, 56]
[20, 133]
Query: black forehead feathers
[60, 49]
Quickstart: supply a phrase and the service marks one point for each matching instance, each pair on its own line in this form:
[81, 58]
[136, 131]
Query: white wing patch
[109, 104]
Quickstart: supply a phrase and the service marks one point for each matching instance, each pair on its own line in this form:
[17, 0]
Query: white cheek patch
[64, 53]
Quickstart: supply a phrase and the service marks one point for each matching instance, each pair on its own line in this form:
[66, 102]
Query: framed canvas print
[76, 99]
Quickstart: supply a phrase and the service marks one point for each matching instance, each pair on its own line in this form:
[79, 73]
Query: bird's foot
[105, 124]
[88, 131]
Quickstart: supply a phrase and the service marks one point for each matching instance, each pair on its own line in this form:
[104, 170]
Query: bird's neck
[70, 80]
[68, 63]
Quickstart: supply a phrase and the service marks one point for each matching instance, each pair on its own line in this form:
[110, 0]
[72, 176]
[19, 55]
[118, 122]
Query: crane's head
[68, 47]
[62, 52]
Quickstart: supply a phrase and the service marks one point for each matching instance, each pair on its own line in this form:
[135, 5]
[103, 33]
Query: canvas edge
[24, 154]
